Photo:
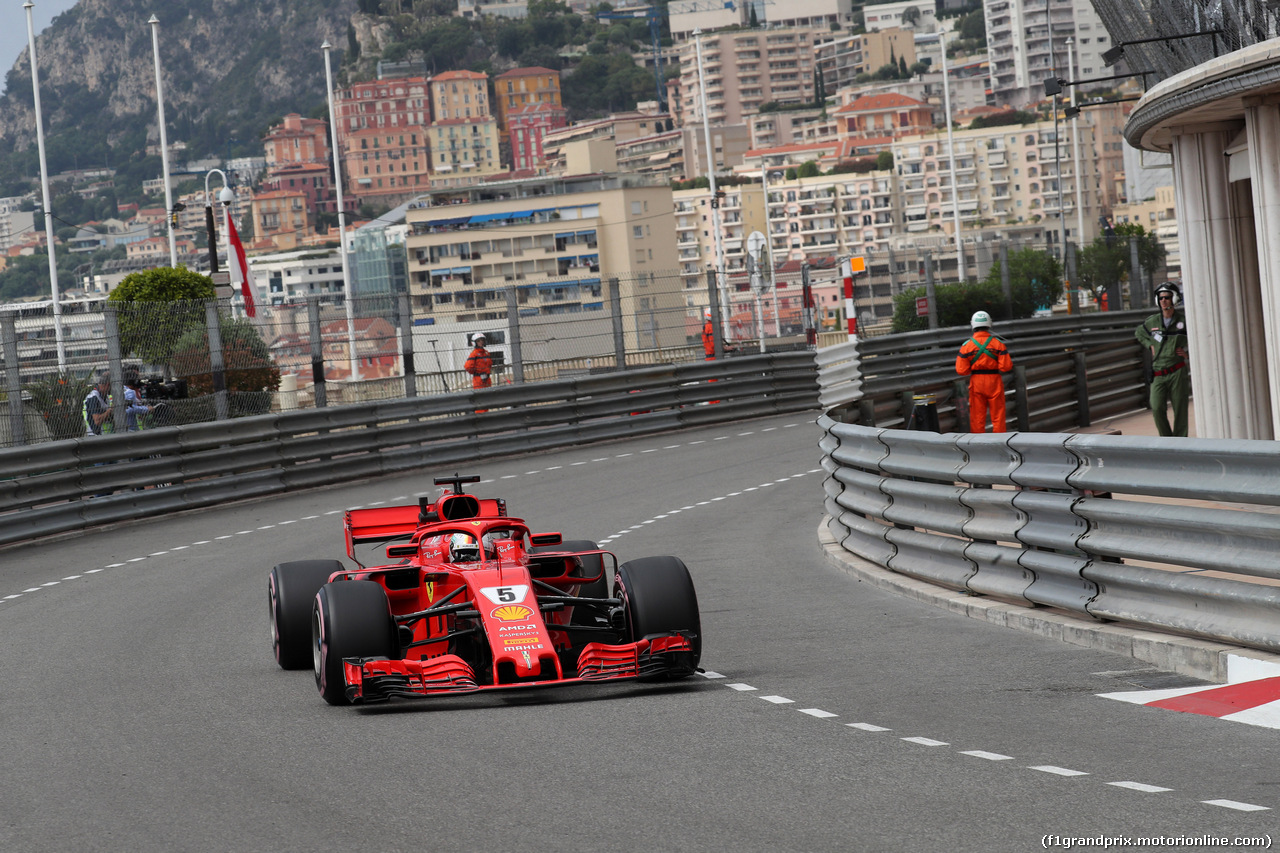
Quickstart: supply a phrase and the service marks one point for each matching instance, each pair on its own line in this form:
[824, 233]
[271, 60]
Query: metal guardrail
[78, 483]
[1068, 371]
[1177, 534]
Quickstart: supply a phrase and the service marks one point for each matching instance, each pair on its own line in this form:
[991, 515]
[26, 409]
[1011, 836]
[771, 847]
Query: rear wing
[381, 523]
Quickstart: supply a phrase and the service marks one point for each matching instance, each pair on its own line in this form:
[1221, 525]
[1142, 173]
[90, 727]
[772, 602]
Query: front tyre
[291, 590]
[658, 598]
[350, 619]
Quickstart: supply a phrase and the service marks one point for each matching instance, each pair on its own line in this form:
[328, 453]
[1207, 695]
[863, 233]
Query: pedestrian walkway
[1140, 422]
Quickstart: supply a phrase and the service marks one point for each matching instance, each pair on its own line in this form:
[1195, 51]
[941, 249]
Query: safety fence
[1178, 534]
[69, 485]
[1068, 372]
[205, 360]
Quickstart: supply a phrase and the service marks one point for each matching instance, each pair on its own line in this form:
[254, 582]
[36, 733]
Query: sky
[13, 27]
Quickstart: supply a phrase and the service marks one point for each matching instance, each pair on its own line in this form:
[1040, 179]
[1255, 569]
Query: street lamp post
[1075, 148]
[342, 217]
[768, 244]
[951, 146]
[164, 142]
[711, 177]
[44, 186]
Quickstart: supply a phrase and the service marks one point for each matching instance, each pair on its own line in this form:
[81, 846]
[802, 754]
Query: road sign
[922, 306]
[755, 242]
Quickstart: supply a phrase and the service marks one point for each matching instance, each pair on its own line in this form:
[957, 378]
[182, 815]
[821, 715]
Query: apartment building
[281, 217]
[296, 141]
[743, 70]
[885, 16]
[842, 58]
[527, 127]
[380, 132]
[886, 114]
[292, 276]
[1027, 42]
[464, 150]
[556, 241]
[520, 88]
[1002, 175]
[459, 95]
[686, 16]
[619, 127]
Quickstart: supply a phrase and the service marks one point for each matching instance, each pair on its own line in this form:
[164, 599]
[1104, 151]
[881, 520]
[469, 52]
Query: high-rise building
[1027, 43]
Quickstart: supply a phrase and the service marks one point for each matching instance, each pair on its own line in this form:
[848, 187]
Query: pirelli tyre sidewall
[291, 592]
[658, 598]
[350, 619]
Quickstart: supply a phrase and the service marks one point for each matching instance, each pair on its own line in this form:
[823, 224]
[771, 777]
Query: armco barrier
[1178, 534]
[68, 485]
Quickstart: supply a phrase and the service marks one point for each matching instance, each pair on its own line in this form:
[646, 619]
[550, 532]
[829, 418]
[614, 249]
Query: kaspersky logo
[511, 613]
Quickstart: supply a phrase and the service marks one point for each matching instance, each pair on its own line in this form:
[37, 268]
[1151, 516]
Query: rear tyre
[350, 619]
[291, 590]
[658, 598]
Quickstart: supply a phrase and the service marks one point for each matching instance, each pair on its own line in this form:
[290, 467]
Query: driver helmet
[1172, 289]
[979, 319]
[463, 548]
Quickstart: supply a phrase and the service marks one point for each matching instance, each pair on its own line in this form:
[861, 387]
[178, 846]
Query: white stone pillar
[1223, 303]
[1262, 123]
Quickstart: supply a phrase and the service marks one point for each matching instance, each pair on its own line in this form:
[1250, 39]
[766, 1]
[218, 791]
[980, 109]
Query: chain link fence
[205, 361]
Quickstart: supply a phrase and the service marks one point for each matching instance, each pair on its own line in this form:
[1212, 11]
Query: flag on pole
[238, 266]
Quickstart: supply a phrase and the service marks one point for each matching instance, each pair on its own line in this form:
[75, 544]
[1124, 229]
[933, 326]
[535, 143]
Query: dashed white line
[867, 727]
[710, 674]
[50, 583]
[651, 450]
[266, 527]
[924, 741]
[989, 756]
[778, 700]
[113, 565]
[1240, 807]
[1139, 786]
[136, 560]
[158, 554]
[739, 686]
[1058, 771]
[817, 712]
[73, 577]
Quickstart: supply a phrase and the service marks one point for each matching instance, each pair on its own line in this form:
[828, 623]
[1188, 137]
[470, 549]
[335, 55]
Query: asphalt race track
[143, 711]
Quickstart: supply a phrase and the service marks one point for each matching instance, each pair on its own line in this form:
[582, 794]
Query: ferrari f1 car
[474, 601]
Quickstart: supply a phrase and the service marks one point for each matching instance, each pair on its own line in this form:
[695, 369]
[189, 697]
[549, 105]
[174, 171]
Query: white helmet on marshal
[979, 319]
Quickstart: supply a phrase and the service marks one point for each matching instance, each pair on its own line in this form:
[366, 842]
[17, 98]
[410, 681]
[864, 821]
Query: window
[637, 232]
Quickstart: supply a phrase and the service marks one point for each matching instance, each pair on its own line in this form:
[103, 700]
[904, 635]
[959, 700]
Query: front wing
[379, 679]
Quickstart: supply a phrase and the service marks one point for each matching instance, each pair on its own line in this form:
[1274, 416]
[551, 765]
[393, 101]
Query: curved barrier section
[70, 485]
[1178, 534]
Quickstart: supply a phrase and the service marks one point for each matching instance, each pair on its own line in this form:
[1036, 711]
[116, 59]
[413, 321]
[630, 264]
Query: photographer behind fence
[133, 401]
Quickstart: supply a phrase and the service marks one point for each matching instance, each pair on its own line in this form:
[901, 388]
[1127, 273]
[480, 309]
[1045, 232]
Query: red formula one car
[478, 602]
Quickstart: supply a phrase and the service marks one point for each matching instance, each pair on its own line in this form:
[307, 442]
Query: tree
[884, 161]
[158, 306]
[1035, 282]
[250, 370]
[1105, 262]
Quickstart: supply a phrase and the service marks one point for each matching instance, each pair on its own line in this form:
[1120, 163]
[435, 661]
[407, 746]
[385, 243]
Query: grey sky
[13, 27]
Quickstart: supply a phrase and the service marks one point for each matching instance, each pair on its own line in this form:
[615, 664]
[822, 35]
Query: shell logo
[511, 613]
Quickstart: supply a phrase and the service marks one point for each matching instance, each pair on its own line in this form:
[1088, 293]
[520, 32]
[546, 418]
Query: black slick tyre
[658, 598]
[350, 619]
[291, 590]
